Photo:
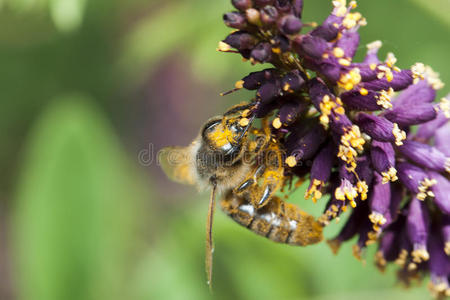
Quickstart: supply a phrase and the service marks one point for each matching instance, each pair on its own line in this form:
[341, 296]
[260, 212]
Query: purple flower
[439, 267]
[290, 24]
[262, 52]
[235, 20]
[420, 92]
[414, 179]
[441, 191]
[383, 160]
[380, 129]
[442, 140]
[288, 114]
[269, 15]
[305, 147]
[320, 171]
[418, 229]
[426, 156]
[397, 80]
[242, 4]
[411, 115]
[348, 43]
[379, 201]
[428, 129]
[312, 46]
[347, 126]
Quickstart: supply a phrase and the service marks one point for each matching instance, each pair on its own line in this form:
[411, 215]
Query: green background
[89, 90]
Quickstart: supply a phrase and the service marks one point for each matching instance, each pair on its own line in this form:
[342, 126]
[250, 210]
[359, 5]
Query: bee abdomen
[279, 221]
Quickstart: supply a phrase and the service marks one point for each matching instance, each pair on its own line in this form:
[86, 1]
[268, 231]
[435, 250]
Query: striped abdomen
[279, 221]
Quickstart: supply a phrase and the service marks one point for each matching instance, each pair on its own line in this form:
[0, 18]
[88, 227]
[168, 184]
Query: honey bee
[244, 163]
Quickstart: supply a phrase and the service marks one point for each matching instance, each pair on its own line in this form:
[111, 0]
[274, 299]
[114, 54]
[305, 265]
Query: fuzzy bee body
[278, 221]
[244, 164]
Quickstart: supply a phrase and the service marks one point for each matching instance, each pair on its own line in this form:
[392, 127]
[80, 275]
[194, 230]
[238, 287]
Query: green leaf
[76, 209]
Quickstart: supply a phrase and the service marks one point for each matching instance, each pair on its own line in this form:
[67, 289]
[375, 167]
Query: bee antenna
[229, 92]
[209, 238]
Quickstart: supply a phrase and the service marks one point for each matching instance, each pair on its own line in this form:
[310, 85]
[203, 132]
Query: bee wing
[176, 162]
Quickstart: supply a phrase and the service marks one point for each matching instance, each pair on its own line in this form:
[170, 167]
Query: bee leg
[265, 196]
[250, 181]
[246, 184]
[238, 108]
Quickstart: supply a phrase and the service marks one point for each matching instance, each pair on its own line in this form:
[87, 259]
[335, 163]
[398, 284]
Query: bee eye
[209, 127]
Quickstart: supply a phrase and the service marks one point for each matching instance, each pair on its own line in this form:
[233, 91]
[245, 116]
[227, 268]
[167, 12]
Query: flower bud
[242, 5]
[235, 20]
[290, 24]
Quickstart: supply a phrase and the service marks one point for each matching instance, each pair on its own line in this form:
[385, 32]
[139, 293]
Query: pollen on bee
[245, 113]
[291, 161]
[244, 122]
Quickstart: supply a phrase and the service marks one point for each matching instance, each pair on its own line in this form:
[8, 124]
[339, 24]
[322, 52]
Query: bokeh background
[90, 90]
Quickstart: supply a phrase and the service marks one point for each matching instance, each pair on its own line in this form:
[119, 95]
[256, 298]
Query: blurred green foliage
[85, 220]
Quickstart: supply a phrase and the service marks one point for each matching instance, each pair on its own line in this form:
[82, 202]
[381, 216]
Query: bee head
[225, 136]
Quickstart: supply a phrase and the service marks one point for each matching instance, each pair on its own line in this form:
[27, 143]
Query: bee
[244, 163]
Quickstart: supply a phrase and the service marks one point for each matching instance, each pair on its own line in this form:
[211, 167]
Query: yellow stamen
[224, 47]
[338, 52]
[399, 135]
[276, 123]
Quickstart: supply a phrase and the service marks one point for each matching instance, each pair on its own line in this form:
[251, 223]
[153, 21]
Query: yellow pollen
[325, 55]
[377, 219]
[314, 190]
[291, 161]
[384, 98]
[286, 87]
[420, 254]
[276, 50]
[224, 47]
[375, 45]
[363, 188]
[373, 66]
[447, 248]
[363, 91]
[390, 60]
[245, 113]
[344, 62]
[340, 110]
[399, 135]
[276, 123]
[324, 120]
[390, 175]
[243, 122]
[221, 136]
[420, 72]
[444, 106]
[239, 84]
[253, 16]
[338, 52]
